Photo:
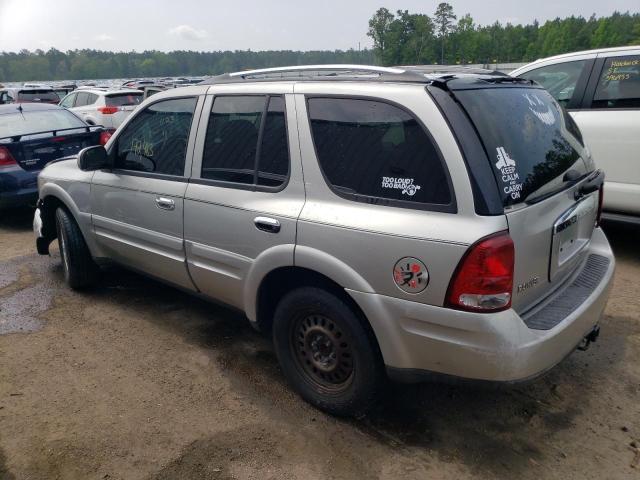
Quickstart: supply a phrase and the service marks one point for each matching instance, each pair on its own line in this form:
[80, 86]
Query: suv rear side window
[246, 141]
[371, 150]
[156, 139]
[619, 84]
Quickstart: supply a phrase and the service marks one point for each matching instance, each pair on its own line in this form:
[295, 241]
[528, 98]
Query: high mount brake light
[483, 280]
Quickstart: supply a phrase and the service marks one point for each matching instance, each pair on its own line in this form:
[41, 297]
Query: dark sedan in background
[32, 135]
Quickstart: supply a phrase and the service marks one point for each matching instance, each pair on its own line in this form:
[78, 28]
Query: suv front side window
[559, 79]
[619, 83]
[376, 152]
[155, 141]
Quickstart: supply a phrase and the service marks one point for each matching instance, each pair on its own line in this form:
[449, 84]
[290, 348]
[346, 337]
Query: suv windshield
[529, 139]
[25, 123]
[124, 99]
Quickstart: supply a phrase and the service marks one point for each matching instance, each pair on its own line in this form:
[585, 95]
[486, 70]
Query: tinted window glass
[91, 99]
[156, 139]
[37, 96]
[232, 136]
[81, 99]
[68, 100]
[559, 79]
[619, 85]
[526, 138]
[124, 99]
[273, 165]
[30, 122]
[377, 150]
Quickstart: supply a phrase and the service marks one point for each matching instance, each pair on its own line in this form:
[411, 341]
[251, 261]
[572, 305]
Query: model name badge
[529, 284]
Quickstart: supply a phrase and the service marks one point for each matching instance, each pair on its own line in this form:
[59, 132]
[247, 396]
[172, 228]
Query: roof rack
[412, 74]
[319, 73]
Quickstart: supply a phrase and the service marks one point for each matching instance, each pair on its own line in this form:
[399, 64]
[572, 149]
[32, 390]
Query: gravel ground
[136, 380]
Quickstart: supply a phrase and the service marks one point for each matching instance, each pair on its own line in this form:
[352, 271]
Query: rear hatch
[546, 179]
[122, 105]
[34, 138]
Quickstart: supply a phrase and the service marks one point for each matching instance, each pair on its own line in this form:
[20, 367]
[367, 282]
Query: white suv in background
[99, 106]
[601, 90]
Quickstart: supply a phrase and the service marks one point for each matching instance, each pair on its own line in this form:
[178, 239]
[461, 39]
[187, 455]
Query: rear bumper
[415, 338]
[18, 188]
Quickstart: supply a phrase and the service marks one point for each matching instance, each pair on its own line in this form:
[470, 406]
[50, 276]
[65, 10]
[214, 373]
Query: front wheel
[80, 271]
[326, 352]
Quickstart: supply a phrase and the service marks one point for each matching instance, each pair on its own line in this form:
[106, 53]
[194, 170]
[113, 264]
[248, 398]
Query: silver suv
[376, 222]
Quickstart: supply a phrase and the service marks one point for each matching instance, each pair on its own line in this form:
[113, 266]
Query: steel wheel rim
[323, 352]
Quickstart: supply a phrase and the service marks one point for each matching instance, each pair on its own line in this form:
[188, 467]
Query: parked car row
[375, 221]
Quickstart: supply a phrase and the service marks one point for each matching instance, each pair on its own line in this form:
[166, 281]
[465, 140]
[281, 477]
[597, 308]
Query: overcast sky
[242, 24]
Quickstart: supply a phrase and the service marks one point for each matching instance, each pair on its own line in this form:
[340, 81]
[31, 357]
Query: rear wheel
[325, 351]
[80, 271]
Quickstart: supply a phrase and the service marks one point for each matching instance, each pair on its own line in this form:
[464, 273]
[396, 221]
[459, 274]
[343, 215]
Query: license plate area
[571, 234]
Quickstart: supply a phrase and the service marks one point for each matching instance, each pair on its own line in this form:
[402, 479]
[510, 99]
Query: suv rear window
[529, 139]
[619, 85]
[124, 99]
[37, 96]
[373, 151]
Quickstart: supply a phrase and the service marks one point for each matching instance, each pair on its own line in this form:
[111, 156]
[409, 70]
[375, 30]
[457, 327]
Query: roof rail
[319, 68]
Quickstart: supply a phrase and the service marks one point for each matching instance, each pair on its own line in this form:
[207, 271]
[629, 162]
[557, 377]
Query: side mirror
[94, 158]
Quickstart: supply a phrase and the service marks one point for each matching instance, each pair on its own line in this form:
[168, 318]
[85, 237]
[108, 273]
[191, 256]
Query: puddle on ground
[27, 289]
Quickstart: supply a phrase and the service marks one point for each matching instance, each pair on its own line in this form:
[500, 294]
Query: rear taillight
[600, 200]
[483, 281]
[108, 110]
[105, 136]
[6, 159]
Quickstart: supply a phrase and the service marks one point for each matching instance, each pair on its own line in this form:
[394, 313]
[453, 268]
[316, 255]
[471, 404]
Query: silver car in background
[375, 221]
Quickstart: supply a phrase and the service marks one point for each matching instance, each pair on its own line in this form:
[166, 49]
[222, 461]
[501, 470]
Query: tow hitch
[590, 338]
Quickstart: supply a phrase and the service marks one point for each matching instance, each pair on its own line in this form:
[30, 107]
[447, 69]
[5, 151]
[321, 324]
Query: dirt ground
[136, 380]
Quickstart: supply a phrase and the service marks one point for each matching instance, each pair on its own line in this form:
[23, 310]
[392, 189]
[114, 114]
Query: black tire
[341, 372]
[80, 271]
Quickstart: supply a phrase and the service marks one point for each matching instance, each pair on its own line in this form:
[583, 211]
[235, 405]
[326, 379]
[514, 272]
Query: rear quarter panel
[368, 240]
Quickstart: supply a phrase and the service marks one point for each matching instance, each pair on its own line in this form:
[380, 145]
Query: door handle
[267, 224]
[165, 203]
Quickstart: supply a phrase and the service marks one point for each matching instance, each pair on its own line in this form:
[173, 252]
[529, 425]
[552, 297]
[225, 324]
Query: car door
[137, 208]
[246, 190]
[610, 123]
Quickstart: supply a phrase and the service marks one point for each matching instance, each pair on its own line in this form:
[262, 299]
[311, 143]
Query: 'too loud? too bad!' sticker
[510, 178]
[411, 275]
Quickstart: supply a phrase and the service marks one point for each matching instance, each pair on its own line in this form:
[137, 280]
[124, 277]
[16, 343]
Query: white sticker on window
[510, 178]
[539, 109]
[405, 184]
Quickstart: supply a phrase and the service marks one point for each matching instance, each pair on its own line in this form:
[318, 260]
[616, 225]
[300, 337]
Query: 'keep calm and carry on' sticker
[510, 178]
[405, 184]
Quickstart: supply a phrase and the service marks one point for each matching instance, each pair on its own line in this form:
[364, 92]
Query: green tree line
[95, 64]
[400, 38]
[417, 38]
